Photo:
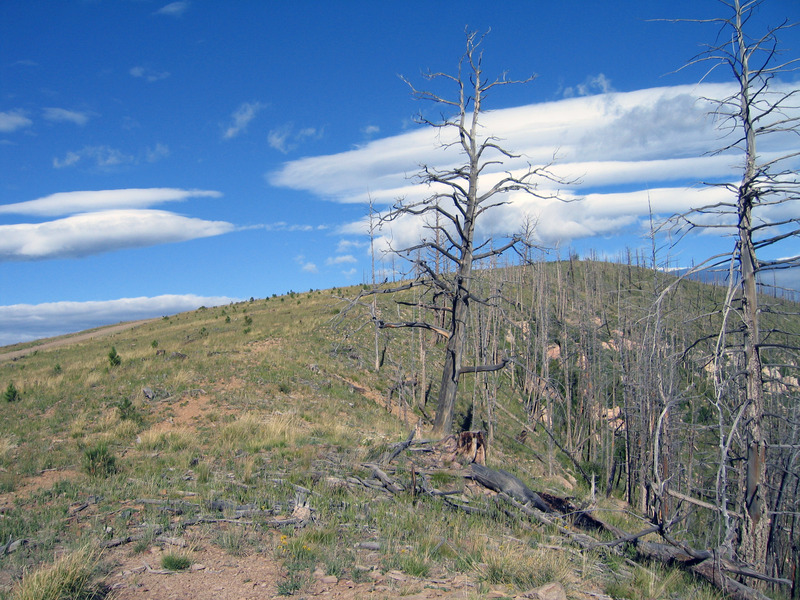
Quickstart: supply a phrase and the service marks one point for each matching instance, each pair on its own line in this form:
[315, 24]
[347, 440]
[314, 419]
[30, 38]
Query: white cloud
[64, 115]
[241, 117]
[26, 322]
[71, 158]
[64, 203]
[103, 157]
[598, 84]
[285, 139]
[340, 260]
[305, 265]
[371, 130]
[345, 246]
[12, 120]
[157, 152]
[174, 9]
[625, 148]
[98, 232]
[148, 74]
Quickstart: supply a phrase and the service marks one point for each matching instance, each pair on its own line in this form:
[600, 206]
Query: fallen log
[703, 563]
[502, 481]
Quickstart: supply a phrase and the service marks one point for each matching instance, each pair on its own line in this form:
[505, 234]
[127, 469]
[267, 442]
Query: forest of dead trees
[679, 396]
[615, 378]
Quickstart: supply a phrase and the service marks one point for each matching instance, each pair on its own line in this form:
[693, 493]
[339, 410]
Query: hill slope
[245, 438]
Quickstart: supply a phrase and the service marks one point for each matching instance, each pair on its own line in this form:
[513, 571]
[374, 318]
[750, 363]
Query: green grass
[176, 561]
[270, 412]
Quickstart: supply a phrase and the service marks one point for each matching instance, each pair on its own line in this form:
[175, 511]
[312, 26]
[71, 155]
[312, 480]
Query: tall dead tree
[761, 212]
[459, 198]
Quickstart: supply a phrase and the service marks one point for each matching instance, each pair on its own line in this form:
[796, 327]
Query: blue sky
[158, 156]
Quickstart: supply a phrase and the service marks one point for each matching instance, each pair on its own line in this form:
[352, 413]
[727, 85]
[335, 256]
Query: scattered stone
[549, 591]
[12, 546]
[197, 567]
[369, 545]
[148, 393]
[329, 580]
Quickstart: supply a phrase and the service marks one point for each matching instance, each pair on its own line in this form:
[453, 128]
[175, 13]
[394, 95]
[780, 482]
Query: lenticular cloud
[98, 232]
[95, 222]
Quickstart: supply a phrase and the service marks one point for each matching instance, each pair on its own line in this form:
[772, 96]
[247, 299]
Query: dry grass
[178, 438]
[70, 577]
[255, 433]
[523, 567]
[7, 444]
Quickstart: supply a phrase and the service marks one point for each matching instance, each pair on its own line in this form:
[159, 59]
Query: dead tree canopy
[445, 257]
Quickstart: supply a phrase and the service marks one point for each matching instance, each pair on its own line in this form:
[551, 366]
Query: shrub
[98, 461]
[114, 359]
[175, 562]
[11, 394]
[127, 411]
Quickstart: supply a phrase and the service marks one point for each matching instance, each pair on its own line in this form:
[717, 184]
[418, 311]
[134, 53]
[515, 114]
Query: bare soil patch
[31, 485]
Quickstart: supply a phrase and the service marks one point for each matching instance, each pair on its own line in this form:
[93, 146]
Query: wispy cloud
[593, 84]
[26, 322]
[345, 246]
[286, 138]
[341, 260]
[148, 74]
[174, 9]
[64, 115]
[102, 157]
[307, 266]
[157, 152]
[99, 232]
[12, 120]
[241, 118]
[284, 226]
[65, 203]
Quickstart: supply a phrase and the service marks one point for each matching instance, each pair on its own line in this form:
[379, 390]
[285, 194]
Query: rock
[369, 545]
[330, 580]
[549, 591]
[197, 567]
[148, 393]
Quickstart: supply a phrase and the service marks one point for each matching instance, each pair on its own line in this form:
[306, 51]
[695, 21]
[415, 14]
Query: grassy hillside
[245, 430]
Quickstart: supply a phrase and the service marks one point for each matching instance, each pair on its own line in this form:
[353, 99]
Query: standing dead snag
[761, 121]
[460, 196]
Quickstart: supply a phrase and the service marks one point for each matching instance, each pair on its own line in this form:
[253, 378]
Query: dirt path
[72, 339]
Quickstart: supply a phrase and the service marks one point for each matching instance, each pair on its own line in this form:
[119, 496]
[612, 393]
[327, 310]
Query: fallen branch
[387, 481]
[389, 457]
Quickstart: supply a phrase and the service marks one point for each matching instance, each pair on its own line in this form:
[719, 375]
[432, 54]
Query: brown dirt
[72, 339]
[216, 575]
[31, 485]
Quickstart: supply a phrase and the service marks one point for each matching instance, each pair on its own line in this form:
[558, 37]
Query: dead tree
[761, 214]
[459, 198]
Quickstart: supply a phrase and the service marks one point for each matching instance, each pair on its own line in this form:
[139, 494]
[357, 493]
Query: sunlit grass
[69, 577]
